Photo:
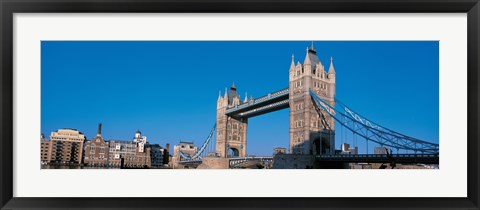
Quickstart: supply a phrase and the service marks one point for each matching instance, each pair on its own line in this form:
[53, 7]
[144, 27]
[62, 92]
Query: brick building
[133, 156]
[44, 144]
[65, 147]
[96, 150]
[68, 146]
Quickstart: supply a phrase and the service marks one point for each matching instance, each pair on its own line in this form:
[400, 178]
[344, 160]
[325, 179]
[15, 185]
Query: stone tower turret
[309, 133]
[231, 133]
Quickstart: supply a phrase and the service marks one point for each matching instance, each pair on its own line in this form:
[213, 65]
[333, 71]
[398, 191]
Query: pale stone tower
[309, 133]
[231, 133]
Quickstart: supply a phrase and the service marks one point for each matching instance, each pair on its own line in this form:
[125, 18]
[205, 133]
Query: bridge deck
[268, 103]
[380, 158]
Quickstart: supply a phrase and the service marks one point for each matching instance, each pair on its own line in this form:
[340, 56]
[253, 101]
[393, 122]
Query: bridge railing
[259, 100]
[272, 95]
[378, 155]
[236, 162]
[252, 158]
[381, 158]
[265, 107]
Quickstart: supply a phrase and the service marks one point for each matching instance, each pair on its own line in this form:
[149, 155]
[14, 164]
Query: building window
[92, 149]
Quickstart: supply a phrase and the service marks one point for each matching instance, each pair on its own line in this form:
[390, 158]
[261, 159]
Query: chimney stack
[99, 129]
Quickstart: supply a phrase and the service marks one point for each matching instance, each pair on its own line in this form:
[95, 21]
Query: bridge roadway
[235, 162]
[345, 158]
[265, 104]
[380, 158]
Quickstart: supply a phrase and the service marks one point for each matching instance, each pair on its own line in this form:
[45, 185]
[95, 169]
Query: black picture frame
[9, 7]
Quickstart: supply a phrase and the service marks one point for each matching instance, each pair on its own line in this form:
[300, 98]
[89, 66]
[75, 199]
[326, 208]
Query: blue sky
[169, 89]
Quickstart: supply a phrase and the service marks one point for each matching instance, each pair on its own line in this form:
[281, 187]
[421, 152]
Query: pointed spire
[225, 96]
[219, 94]
[246, 98]
[233, 86]
[307, 59]
[331, 70]
[312, 48]
[292, 65]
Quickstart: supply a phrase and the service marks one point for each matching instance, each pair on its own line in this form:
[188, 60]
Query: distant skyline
[168, 89]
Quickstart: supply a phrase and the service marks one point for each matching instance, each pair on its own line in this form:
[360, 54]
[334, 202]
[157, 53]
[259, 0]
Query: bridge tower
[231, 132]
[309, 132]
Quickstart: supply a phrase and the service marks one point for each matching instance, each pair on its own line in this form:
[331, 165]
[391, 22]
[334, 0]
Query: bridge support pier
[214, 163]
[293, 161]
[311, 133]
[231, 132]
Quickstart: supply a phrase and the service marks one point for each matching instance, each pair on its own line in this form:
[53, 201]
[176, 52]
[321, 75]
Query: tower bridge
[314, 109]
[309, 133]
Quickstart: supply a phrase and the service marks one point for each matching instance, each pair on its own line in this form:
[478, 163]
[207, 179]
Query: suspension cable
[382, 136]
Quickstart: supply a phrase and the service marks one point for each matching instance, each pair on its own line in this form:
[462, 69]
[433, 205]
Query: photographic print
[239, 105]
